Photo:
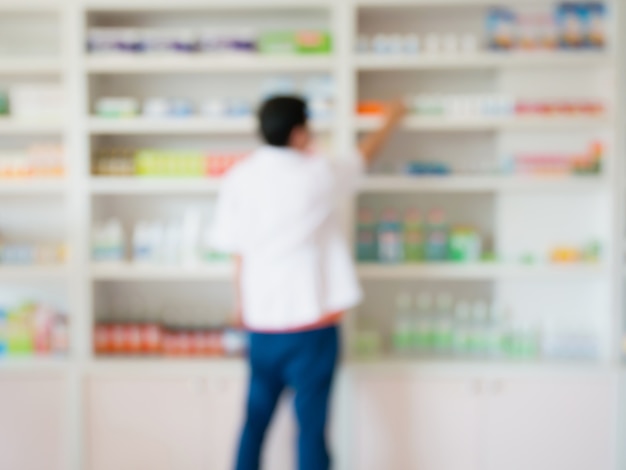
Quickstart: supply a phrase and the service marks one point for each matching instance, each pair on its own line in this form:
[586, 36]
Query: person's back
[277, 212]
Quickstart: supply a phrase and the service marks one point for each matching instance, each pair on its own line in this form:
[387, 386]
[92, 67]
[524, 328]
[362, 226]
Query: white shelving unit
[537, 211]
[483, 60]
[243, 63]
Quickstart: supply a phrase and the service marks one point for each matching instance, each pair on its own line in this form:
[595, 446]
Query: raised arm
[371, 144]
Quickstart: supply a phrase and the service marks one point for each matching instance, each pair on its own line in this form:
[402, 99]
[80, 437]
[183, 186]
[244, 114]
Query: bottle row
[119, 338]
[443, 327]
[40, 160]
[164, 163]
[489, 106]
[185, 241]
[209, 41]
[391, 239]
[33, 329]
[36, 101]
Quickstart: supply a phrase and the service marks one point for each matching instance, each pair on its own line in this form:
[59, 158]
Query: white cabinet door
[550, 424]
[33, 419]
[405, 424]
[175, 424]
[136, 424]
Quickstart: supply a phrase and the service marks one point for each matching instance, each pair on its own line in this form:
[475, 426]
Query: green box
[301, 42]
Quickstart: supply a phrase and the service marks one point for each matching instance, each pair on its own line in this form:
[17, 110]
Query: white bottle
[443, 324]
[480, 317]
[380, 44]
[423, 329]
[412, 44]
[396, 44]
[114, 236]
[156, 243]
[433, 44]
[172, 244]
[96, 243]
[450, 44]
[190, 238]
[402, 330]
[363, 44]
[462, 333]
[141, 242]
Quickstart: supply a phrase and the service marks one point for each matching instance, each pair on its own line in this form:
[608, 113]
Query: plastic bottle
[461, 336]
[390, 243]
[113, 240]
[366, 236]
[141, 242]
[402, 324]
[60, 341]
[413, 236]
[443, 337]
[494, 334]
[437, 235]
[3, 333]
[422, 324]
[190, 238]
[480, 318]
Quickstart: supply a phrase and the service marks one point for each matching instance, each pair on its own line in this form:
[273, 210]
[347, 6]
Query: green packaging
[4, 103]
[289, 42]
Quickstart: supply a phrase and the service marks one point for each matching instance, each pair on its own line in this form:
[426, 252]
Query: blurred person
[277, 212]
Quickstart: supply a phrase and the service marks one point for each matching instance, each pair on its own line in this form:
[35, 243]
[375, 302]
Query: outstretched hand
[371, 144]
[396, 111]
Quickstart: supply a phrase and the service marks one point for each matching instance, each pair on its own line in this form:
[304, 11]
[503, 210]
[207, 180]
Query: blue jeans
[304, 362]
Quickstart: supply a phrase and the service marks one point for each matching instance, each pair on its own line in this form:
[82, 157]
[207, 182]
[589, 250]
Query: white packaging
[381, 44]
[214, 108]
[469, 44]
[433, 44]
[412, 44]
[37, 102]
[172, 244]
[396, 44]
[363, 44]
[157, 108]
[158, 41]
[450, 44]
[190, 237]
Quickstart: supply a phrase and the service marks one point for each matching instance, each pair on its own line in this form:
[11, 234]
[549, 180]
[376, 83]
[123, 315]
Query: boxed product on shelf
[164, 163]
[295, 42]
[37, 101]
[149, 338]
[587, 163]
[471, 106]
[30, 328]
[183, 242]
[31, 254]
[43, 160]
[207, 41]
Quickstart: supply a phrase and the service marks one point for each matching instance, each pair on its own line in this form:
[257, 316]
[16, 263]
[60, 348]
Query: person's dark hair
[279, 116]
